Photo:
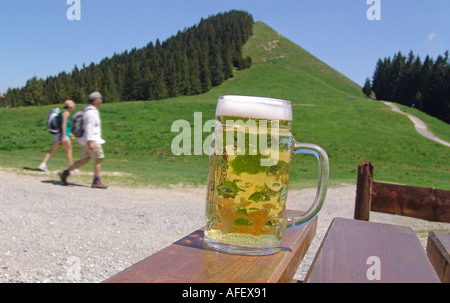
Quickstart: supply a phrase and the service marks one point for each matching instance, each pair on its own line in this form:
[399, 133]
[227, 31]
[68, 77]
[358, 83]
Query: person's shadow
[53, 181]
[32, 169]
[61, 184]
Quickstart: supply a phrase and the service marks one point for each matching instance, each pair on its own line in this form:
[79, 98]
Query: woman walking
[63, 137]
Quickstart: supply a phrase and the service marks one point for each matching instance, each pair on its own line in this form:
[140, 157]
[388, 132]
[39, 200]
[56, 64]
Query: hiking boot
[98, 184]
[63, 176]
[43, 167]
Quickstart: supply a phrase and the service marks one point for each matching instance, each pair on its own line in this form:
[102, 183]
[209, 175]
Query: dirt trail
[420, 126]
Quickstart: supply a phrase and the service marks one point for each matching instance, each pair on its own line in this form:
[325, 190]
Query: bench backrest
[419, 202]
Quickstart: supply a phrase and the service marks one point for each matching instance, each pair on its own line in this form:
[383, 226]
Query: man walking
[91, 141]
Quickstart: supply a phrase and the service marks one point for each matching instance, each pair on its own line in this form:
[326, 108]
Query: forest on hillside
[188, 63]
[409, 81]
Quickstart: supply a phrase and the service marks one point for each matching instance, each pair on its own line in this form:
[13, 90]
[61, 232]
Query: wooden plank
[189, 260]
[417, 202]
[438, 250]
[357, 251]
[363, 191]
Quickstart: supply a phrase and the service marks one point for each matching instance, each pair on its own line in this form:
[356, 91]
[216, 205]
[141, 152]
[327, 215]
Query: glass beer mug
[249, 175]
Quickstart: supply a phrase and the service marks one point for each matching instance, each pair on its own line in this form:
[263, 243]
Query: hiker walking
[91, 141]
[63, 136]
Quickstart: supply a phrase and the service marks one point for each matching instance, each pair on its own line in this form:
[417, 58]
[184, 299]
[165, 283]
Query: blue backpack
[53, 122]
[77, 124]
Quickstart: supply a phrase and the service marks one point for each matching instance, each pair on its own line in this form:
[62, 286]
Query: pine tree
[216, 67]
[109, 88]
[367, 90]
[436, 105]
[380, 80]
[205, 76]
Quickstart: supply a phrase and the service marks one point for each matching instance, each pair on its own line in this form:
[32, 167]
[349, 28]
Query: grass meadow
[329, 110]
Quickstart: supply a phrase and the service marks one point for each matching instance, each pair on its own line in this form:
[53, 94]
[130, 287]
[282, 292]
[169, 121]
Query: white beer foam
[254, 107]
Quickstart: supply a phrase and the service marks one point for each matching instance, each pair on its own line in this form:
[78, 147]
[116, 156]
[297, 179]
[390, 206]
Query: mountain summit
[300, 71]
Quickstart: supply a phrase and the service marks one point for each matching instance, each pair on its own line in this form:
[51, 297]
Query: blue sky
[37, 39]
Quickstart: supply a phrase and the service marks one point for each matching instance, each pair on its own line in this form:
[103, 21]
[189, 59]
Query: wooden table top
[190, 260]
[361, 251]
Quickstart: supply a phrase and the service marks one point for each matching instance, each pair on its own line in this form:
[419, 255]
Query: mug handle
[324, 170]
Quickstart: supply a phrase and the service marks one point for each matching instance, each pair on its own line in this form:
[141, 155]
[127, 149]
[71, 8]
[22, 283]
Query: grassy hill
[329, 110]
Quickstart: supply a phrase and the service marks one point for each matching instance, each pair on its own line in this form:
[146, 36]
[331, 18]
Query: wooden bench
[418, 202]
[188, 260]
[438, 250]
[355, 251]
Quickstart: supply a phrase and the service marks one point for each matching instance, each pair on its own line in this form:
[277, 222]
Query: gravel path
[420, 126]
[52, 233]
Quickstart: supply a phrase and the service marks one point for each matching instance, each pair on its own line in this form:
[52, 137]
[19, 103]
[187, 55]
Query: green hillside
[329, 110]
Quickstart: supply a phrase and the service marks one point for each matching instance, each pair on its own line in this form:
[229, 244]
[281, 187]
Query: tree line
[188, 63]
[409, 81]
